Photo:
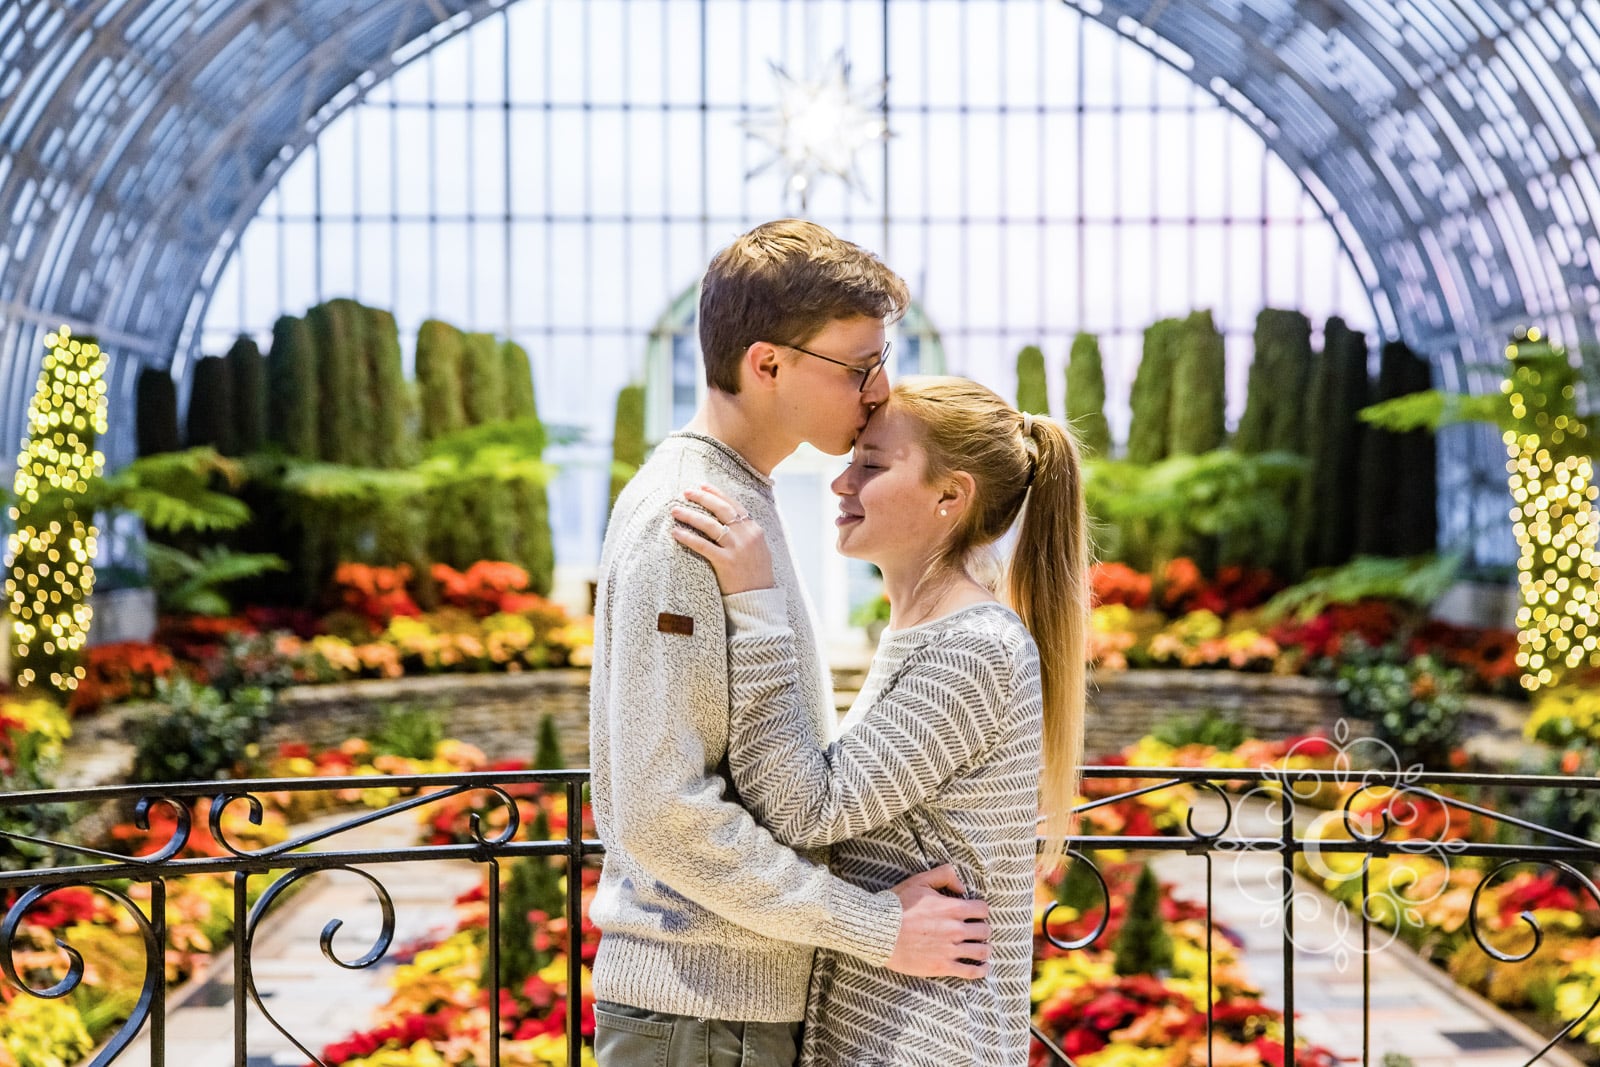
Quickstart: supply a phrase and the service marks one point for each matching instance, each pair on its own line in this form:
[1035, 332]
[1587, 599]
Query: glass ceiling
[1451, 143]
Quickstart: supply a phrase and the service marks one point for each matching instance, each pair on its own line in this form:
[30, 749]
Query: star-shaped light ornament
[818, 126]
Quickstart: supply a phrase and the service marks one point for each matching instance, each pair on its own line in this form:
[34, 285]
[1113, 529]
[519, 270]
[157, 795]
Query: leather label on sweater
[669, 623]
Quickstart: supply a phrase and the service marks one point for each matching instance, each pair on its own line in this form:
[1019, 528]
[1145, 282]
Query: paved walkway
[1415, 1011]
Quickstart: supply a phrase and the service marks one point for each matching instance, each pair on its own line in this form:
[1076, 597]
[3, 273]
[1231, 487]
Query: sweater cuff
[756, 611]
[862, 924]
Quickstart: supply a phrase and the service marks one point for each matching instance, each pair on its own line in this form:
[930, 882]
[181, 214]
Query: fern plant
[1419, 581]
[189, 584]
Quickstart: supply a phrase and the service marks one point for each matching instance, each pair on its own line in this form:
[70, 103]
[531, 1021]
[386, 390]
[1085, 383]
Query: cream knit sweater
[701, 911]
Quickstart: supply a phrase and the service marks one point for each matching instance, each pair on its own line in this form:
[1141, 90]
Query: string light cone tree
[1553, 514]
[51, 572]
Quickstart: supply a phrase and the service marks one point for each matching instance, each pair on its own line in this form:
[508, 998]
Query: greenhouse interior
[332, 334]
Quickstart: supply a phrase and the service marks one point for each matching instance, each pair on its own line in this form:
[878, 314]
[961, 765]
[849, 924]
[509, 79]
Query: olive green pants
[632, 1037]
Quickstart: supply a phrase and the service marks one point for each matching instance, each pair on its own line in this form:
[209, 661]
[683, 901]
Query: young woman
[969, 725]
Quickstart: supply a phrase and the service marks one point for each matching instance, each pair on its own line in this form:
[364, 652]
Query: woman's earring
[944, 512]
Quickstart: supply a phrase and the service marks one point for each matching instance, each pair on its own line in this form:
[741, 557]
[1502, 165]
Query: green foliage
[413, 732]
[211, 416]
[172, 492]
[27, 757]
[1086, 396]
[870, 611]
[247, 382]
[1567, 809]
[197, 734]
[1210, 727]
[188, 584]
[157, 413]
[1415, 704]
[1273, 418]
[1328, 497]
[1219, 494]
[1565, 715]
[483, 380]
[1032, 393]
[1199, 388]
[627, 439]
[1417, 581]
[547, 756]
[1151, 400]
[294, 394]
[1434, 409]
[1143, 945]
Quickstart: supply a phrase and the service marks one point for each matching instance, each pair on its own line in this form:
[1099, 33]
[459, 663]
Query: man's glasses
[868, 373]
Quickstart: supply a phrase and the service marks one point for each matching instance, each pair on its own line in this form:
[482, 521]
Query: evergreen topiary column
[156, 429]
[1398, 494]
[1330, 493]
[211, 422]
[294, 395]
[627, 438]
[483, 392]
[247, 381]
[1086, 395]
[1275, 405]
[1032, 394]
[1151, 399]
[1198, 401]
[441, 350]
[535, 545]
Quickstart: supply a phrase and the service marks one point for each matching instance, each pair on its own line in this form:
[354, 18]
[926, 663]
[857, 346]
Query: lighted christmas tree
[52, 551]
[1553, 513]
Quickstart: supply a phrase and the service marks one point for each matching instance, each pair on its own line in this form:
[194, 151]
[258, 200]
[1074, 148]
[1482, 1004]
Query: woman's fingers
[720, 506]
[700, 546]
[699, 520]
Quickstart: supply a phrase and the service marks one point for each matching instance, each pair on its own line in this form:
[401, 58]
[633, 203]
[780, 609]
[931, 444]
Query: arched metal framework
[1452, 144]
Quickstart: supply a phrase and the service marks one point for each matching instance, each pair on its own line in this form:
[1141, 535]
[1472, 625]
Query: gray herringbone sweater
[937, 762]
[701, 911]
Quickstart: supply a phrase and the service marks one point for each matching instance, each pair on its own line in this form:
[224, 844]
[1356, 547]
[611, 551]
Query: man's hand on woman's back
[942, 934]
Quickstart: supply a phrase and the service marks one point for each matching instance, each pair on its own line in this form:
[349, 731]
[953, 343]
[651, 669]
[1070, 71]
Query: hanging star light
[817, 127]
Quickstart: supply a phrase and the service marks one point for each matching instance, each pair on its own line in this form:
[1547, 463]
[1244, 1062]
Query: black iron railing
[1233, 812]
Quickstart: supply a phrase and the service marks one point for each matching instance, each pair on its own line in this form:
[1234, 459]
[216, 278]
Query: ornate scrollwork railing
[1232, 813]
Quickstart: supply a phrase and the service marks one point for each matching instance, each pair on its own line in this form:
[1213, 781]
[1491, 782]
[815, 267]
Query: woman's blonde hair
[1017, 459]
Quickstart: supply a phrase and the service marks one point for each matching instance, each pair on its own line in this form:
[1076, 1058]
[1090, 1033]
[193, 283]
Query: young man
[708, 923]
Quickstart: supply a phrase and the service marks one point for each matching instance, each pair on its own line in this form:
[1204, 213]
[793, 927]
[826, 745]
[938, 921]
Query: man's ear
[761, 363]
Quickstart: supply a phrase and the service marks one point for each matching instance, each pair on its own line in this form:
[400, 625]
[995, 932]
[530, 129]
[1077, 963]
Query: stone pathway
[1416, 1010]
[318, 1001]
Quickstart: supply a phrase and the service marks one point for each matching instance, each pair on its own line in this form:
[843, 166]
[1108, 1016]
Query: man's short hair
[783, 282]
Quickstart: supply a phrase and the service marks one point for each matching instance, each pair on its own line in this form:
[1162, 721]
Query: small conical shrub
[1143, 945]
[156, 429]
[1086, 395]
[1032, 394]
[547, 756]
